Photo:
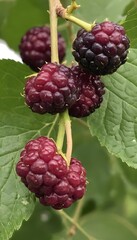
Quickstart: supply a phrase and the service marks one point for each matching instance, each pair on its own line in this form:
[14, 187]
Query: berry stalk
[53, 29]
[76, 217]
[65, 215]
[61, 134]
[65, 123]
[66, 14]
[88, 27]
[53, 125]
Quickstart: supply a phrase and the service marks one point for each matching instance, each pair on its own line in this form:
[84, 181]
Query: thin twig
[53, 125]
[68, 129]
[53, 31]
[66, 14]
[72, 230]
[64, 214]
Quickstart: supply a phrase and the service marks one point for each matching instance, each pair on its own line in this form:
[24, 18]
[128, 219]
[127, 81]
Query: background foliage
[109, 208]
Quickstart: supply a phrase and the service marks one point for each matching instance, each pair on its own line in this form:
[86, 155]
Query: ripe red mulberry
[45, 173]
[52, 91]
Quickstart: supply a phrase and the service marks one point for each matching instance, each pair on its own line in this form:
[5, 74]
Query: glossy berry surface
[45, 173]
[35, 47]
[52, 91]
[91, 91]
[102, 50]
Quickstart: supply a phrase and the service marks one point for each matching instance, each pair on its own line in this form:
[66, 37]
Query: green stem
[62, 26]
[61, 134]
[65, 215]
[53, 31]
[70, 32]
[72, 7]
[79, 22]
[82, 122]
[67, 123]
[31, 75]
[78, 209]
[64, 13]
[53, 125]
[54, 58]
[76, 216]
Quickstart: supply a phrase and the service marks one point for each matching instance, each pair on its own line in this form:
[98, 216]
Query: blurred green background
[110, 204]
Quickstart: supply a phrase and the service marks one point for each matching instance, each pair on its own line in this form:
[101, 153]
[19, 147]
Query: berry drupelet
[52, 91]
[91, 90]
[45, 173]
[35, 47]
[102, 50]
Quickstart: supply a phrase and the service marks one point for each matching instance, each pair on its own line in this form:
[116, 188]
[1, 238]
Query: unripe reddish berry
[35, 47]
[45, 173]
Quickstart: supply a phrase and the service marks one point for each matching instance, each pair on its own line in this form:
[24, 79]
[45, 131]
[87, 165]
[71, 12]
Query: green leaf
[126, 174]
[100, 10]
[103, 185]
[131, 5]
[106, 226]
[129, 178]
[115, 123]
[24, 15]
[130, 24]
[17, 126]
[5, 7]
[43, 224]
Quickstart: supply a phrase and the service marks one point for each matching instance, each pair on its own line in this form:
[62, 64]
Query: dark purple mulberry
[91, 90]
[102, 50]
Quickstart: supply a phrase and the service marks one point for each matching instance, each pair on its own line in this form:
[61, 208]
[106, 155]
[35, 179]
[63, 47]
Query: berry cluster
[79, 88]
[55, 88]
[46, 174]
